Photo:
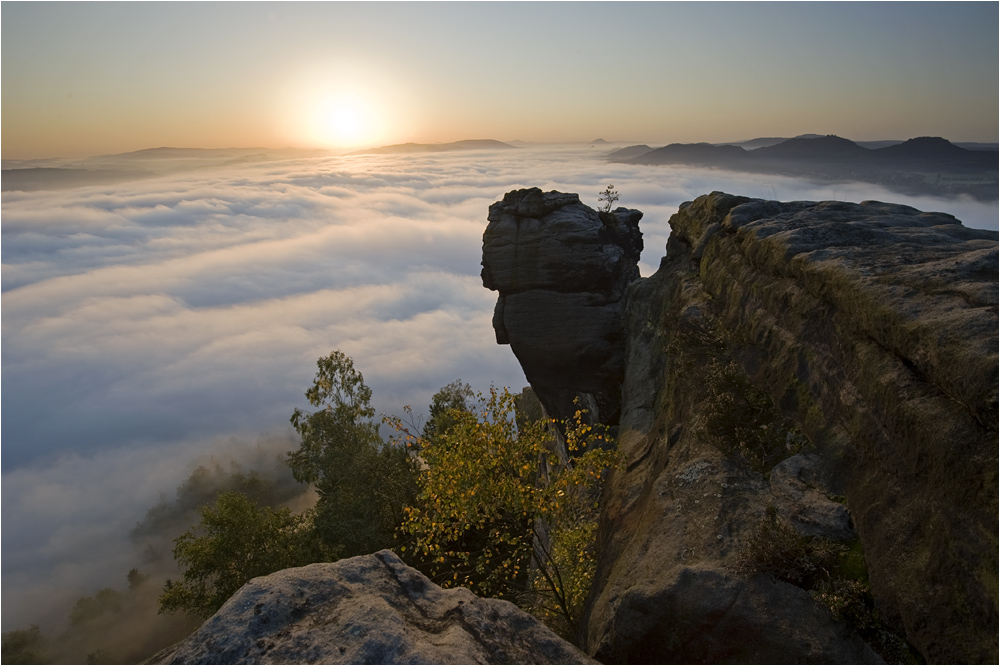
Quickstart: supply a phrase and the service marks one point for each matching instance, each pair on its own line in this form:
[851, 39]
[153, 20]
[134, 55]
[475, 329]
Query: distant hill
[599, 142]
[820, 148]
[702, 154]
[628, 152]
[468, 144]
[924, 165]
[26, 180]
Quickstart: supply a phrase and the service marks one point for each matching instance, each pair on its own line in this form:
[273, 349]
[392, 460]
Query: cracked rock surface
[371, 609]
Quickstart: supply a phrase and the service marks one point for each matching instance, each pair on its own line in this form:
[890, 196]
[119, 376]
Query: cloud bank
[145, 322]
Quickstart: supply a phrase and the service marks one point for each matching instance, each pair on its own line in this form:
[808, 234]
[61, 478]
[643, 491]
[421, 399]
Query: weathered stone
[801, 496]
[562, 270]
[371, 609]
[874, 327]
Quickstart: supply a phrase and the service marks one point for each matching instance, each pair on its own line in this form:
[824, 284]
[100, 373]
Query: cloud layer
[144, 321]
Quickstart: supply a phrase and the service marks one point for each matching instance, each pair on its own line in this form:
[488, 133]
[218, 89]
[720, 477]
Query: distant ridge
[924, 165]
[813, 148]
[628, 152]
[467, 144]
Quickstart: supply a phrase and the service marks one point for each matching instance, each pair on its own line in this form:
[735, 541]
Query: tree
[236, 540]
[609, 195]
[106, 601]
[456, 396]
[362, 483]
[487, 517]
[24, 646]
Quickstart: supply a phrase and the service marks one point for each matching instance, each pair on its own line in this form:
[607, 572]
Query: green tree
[24, 646]
[106, 601]
[362, 483]
[456, 396]
[609, 196]
[488, 515]
[236, 540]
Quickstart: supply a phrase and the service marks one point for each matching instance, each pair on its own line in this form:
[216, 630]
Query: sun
[344, 121]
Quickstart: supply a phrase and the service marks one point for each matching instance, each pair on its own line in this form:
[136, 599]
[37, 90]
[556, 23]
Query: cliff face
[809, 424]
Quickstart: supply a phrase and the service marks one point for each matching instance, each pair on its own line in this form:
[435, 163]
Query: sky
[150, 323]
[89, 78]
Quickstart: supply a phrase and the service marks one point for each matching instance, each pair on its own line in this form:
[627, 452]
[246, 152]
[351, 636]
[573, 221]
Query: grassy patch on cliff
[835, 574]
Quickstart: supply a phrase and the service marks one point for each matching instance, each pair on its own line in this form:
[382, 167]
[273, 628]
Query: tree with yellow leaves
[498, 513]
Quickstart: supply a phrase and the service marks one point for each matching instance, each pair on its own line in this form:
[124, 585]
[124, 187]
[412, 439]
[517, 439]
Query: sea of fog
[150, 324]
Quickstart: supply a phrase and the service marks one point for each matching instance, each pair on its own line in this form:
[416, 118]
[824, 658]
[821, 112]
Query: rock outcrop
[562, 270]
[809, 426]
[371, 609]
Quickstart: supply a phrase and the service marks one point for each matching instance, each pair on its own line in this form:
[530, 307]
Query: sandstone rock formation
[562, 269]
[823, 375]
[874, 328]
[371, 609]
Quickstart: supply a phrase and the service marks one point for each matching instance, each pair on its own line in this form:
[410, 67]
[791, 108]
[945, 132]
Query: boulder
[371, 609]
[561, 269]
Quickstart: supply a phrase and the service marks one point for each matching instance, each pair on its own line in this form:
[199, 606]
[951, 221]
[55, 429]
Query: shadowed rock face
[371, 609]
[562, 270]
[873, 328]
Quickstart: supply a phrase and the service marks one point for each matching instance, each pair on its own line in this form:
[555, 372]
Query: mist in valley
[170, 323]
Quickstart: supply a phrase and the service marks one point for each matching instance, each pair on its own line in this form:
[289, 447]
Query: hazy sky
[88, 78]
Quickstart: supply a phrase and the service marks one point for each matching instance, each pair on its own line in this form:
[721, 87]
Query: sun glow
[345, 121]
[335, 106]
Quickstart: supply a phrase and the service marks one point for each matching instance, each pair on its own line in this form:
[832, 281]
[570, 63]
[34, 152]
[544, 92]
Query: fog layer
[148, 322]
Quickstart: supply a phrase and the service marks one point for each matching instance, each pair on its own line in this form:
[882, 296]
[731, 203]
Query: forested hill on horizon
[923, 165]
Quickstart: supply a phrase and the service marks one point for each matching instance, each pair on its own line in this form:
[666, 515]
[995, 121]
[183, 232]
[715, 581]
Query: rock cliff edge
[802, 382]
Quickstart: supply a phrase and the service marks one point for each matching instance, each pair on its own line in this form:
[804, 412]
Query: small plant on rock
[609, 195]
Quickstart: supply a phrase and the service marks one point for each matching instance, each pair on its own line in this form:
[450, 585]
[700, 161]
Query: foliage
[738, 417]
[106, 601]
[24, 646]
[136, 579]
[236, 540]
[609, 195]
[362, 483]
[834, 572]
[456, 396]
[777, 549]
[484, 502]
[269, 481]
